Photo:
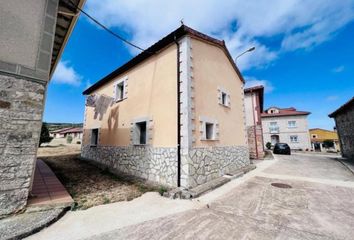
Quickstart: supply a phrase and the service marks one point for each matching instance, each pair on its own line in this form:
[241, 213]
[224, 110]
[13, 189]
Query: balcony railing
[274, 129]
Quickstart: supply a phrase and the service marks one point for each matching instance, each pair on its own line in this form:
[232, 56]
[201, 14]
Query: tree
[268, 145]
[328, 144]
[45, 138]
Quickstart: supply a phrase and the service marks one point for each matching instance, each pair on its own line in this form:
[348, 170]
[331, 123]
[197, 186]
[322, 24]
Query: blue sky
[304, 49]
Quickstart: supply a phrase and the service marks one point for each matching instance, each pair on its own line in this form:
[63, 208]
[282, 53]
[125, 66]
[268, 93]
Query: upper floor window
[292, 124]
[120, 89]
[273, 124]
[294, 139]
[223, 97]
[314, 135]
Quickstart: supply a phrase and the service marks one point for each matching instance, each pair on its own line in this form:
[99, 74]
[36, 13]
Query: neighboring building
[253, 109]
[286, 125]
[173, 114]
[76, 133]
[318, 136]
[344, 118]
[33, 36]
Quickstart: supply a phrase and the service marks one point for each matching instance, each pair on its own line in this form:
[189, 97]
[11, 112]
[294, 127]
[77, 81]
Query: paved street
[318, 206]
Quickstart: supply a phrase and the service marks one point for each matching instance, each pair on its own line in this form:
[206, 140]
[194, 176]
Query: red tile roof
[284, 112]
[72, 130]
[342, 108]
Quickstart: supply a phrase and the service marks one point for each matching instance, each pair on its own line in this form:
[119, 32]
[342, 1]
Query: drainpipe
[254, 125]
[178, 118]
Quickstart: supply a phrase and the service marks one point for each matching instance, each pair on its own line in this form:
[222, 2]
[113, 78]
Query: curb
[345, 165]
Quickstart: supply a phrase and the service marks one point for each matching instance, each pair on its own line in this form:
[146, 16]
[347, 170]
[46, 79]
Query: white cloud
[296, 24]
[338, 69]
[65, 74]
[332, 98]
[252, 82]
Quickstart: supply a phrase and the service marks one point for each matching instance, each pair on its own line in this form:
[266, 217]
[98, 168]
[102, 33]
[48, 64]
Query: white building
[286, 125]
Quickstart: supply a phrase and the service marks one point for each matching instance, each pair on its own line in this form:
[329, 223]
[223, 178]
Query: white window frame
[123, 96]
[203, 133]
[221, 92]
[292, 126]
[134, 132]
[292, 140]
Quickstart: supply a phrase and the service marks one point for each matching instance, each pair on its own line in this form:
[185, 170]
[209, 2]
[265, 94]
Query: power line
[104, 27]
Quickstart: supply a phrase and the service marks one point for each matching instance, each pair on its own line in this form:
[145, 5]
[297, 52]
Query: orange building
[318, 136]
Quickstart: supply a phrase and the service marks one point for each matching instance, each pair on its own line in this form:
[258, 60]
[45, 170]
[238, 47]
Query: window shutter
[115, 92]
[219, 96]
[228, 100]
[125, 93]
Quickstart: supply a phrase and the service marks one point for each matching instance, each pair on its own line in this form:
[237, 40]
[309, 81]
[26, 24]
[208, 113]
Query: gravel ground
[87, 184]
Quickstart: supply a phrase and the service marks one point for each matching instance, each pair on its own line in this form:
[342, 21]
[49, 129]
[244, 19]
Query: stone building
[344, 118]
[174, 114]
[286, 125]
[253, 109]
[33, 36]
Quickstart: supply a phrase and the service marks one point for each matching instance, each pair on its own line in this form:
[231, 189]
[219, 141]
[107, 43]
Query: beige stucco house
[253, 109]
[286, 125]
[174, 114]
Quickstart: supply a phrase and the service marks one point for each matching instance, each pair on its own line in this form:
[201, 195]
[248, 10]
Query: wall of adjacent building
[27, 33]
[301, 130]
[345, 128]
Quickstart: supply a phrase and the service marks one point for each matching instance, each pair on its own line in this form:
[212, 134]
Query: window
[293, 139]
[209, 131]
[94, 137]
[291, 124]
[223, 97]
[140, 133]
[273, 124]
[314, 136]
[120, 89]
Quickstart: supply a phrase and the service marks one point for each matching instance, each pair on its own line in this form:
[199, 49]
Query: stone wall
[255, 138]
[21, 108]
[345, 128]
[204, 164]
[157, 164]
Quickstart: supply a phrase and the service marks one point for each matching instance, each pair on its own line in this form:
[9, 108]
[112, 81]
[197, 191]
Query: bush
[44, 138]
[69, 139]
[268, 145]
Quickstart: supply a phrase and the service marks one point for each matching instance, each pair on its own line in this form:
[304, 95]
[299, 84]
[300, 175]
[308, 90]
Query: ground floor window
[140, 133]
[294, 139]
[209, 131]
[94, 137]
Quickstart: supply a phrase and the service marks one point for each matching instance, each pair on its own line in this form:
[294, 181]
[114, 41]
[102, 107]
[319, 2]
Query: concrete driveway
[318, 206]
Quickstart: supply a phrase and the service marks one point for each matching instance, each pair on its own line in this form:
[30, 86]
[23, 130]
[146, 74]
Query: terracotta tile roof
[160, 45]
[342, 108]
[60, 130]
[284, 112]
[72, 130]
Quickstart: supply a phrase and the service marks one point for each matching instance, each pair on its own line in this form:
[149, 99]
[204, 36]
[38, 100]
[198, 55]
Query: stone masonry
[207, 163]
[157, 164]
[21, 108]
[255, 141]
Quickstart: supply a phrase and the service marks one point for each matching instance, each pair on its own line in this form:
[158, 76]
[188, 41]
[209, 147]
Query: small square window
[94, 137]
[291, 124]
[209, 131]
[141, 136]
[293, 139]
[120, 91]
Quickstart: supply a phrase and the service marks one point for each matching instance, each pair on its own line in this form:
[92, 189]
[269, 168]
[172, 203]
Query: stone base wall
[255, 142]
[157, 164]
[204, 164]
[345, 128]
[21, 108]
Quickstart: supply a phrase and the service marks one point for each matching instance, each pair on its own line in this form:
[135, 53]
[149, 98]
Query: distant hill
[55, 126]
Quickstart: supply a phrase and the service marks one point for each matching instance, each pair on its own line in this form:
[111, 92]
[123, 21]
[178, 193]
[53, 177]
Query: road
[319, 205]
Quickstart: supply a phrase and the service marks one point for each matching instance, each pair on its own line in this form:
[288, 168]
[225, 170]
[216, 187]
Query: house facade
[253, 109]
[344, 118]
[286, 125]
[174, 114]
[33, 36]
[318, 138]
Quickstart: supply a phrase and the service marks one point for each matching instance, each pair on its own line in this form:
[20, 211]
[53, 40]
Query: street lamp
[248, 50]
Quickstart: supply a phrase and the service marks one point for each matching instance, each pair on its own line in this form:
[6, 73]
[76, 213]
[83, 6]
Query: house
[344, 118]
[286, 125]
[319, 137]
[76, 133]
[33, 37]
[173, 114]
[253, 109]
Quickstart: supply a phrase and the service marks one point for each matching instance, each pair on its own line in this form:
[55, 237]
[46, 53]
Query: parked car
[281, 148]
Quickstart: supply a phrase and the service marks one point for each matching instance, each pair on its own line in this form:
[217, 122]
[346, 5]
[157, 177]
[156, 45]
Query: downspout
[178, 117]
[254, 125]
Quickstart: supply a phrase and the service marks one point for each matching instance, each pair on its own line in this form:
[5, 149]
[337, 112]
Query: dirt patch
[89, 185]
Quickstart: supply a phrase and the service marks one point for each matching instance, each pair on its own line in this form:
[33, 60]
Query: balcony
[274, 129]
